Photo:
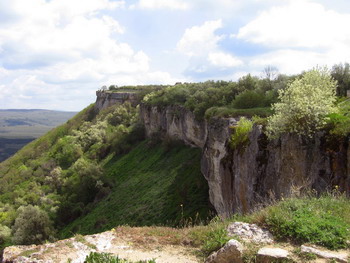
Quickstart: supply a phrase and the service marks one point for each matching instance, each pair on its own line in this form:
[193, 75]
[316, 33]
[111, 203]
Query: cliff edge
[239, 180]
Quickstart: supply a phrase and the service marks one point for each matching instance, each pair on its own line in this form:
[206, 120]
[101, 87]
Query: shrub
[323, 221]
[5, 233]
[240, 136]
[304, 105]
[339, 122]
[32, 226]
[249, 99]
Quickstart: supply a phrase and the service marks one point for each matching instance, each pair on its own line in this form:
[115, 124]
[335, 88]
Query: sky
[54, 54]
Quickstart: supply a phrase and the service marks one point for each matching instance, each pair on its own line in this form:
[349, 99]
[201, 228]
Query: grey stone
[249, 232]
[339, 257]
[106, 99]
[230, 253]
[272, 254]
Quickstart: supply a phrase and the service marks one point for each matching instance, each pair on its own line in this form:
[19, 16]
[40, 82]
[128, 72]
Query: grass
[326, 223]
[95, 257]
[323, 221]
[81, 239]
[153, 185]
[29, 252]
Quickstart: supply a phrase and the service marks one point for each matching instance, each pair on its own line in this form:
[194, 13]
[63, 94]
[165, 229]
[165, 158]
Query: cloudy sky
[55, 54]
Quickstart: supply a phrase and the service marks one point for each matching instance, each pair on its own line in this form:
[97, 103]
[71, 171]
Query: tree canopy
[304, 105]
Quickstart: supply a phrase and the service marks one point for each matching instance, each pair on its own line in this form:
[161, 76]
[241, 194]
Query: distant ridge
[31, 110]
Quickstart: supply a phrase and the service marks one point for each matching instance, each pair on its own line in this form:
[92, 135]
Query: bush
[323, 221]
[249, 99]
[304, 105]
[240, 136]
[32, 226]
[5, 234]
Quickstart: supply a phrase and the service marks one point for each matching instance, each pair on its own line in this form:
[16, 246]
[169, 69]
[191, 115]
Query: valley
[19, 127]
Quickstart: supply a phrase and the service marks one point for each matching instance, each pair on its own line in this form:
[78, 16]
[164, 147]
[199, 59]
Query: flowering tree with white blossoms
[304, 105]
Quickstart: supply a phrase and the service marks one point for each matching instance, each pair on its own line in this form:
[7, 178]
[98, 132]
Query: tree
[341, 73]
[270, 73]
[304, 104]
[32, 226]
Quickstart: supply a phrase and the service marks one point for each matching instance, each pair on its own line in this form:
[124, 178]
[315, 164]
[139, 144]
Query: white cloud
[202, 46]
[161, 4]
[301, 23]
[291, 61]
[303, 33]
[60, 51]
[199, 40]
[223, 60]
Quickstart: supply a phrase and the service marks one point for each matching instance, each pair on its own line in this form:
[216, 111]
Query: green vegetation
[214, 98]
[9, 147]
[95, 257]
[97, 171]
[19, 127]
[229, 111]
[32, 226]
[323, 221]
[304, 105]
[60, 174]
[338, 123]
[75, 173]
[240, 134]
[153, 184]
[341, 73]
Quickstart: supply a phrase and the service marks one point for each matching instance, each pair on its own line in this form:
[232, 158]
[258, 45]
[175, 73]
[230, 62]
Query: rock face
[241, 179]
[107, 98]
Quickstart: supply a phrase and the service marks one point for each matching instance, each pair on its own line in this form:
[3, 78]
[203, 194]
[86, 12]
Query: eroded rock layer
[240, 179]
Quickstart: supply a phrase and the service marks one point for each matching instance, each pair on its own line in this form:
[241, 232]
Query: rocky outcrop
[272, 254]
[241, 179]
[335, 256]
[232, 251]
[130, 247]
[249, 232]
[175, 122]
[108, 98]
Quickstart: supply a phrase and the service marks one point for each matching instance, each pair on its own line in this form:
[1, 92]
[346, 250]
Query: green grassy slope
[153, 184]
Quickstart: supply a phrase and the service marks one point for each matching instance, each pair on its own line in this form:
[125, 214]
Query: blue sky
[55, 54]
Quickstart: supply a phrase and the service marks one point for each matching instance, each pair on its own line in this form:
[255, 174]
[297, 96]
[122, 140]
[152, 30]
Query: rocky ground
[249, 244]
[77, 248]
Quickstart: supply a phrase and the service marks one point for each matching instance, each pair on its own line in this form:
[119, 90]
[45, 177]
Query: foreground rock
[272, 254]
[231, 252]
[249, 232]
[76, 249]
[339, 257]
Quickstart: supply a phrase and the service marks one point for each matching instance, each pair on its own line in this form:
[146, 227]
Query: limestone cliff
[241, 179]
[108, 98]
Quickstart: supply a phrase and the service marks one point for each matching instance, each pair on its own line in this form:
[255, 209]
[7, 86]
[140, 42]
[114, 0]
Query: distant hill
[20, 126]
